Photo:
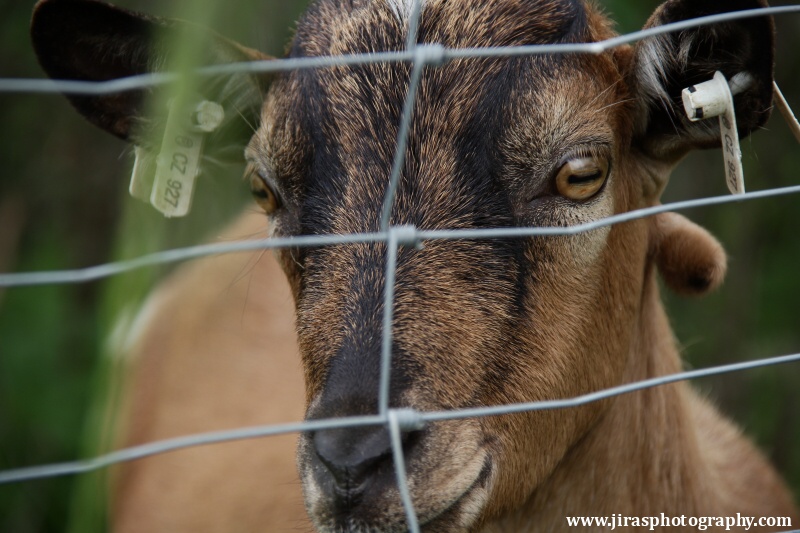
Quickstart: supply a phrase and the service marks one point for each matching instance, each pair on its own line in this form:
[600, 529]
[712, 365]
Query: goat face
[545, 140]
[482, 322]
[534, 141]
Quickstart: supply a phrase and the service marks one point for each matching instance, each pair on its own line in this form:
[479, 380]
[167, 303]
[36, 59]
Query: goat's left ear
[89, 40]
[665, 65]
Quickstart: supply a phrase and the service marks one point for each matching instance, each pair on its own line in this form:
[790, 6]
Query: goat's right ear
[666, 64]
[89, 40]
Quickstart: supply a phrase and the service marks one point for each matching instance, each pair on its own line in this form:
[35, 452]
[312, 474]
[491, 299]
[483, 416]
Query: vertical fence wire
[392, 243]
[388, 321]
[402, 139]
[400, 471]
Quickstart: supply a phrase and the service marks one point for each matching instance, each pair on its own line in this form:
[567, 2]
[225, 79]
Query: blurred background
[64, 204]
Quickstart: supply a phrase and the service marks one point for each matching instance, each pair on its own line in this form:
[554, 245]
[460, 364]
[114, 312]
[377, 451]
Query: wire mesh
[144, 81]
[421, 57]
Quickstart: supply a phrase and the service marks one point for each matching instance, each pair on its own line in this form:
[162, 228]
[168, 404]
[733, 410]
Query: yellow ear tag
[167, 181]
[714, 98]
[144, 172]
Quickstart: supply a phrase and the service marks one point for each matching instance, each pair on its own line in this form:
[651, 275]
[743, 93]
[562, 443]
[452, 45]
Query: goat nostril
[352, 455]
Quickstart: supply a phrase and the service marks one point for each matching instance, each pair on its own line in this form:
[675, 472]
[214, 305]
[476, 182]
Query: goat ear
[666, 64]
[89, 40]
[691, 261]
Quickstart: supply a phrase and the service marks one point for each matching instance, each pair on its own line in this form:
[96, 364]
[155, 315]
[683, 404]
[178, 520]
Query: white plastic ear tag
[714, 98]
[167, 181]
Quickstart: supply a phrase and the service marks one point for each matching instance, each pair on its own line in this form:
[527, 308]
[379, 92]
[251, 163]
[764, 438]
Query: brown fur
[213, 354]
[478, 322]
[689, 259]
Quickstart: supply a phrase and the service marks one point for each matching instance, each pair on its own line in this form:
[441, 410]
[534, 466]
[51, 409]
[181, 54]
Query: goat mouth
[454, 515]
[451, 512]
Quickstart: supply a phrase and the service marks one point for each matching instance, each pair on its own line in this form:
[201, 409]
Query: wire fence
[422, 56]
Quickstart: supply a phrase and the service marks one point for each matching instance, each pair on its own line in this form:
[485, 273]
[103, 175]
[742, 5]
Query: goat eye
[263, 193]
[582, 177]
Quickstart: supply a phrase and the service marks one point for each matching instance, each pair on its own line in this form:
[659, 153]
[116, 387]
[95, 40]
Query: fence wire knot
[431, 54]
[406, 236]
[407, 419]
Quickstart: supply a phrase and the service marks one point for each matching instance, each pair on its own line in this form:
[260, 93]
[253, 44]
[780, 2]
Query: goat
[550, 140]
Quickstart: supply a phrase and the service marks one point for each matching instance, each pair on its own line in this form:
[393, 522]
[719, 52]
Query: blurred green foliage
[63, 204]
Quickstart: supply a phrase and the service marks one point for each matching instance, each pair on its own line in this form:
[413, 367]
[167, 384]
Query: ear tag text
[714, 98]
[167, 181]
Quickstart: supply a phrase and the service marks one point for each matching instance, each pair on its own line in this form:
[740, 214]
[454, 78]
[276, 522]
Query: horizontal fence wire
[143, 81]
[421, 56]
[407, 419]
[94, 273]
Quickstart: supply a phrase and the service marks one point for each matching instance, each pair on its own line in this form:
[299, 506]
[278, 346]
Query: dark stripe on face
[353, 376]
[453, 173]
[352, 114]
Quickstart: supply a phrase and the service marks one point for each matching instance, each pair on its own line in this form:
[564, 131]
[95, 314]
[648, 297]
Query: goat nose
[351, 455]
